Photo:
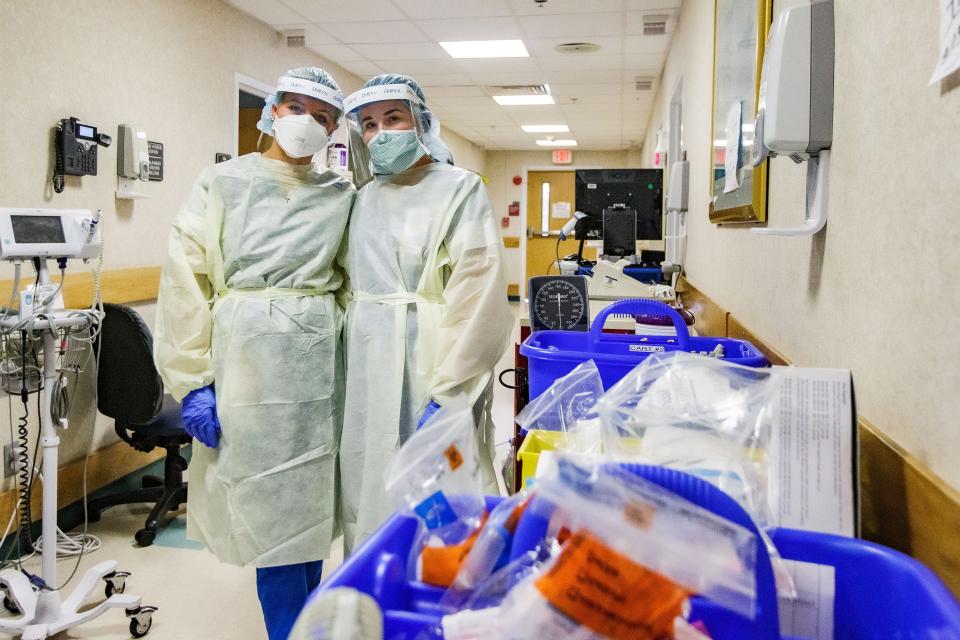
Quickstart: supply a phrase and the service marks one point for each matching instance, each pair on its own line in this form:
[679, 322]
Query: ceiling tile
[609, 45]
[363, 68]
[499, 79]
[576, 90]
[457, 92]
[575, 25]
[642, 64]
[580, 63]
[414, 67]
[400, 51]
[634, 22]
[531, 8]
[472, 29]
[442, 79]
[325, 11]
[573, 77]
[339, 53]
[377, 32]
[439, 9]
[651, 5]
[646, 44]
[268, 11]
[460, 102]
[497, 65]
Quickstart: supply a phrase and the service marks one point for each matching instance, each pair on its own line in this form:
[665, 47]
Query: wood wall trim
[119, 286]
[105, 466]
[903, 504]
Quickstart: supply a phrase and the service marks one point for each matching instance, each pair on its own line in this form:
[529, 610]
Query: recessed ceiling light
[545, 128]
[557, 143]
[527, 99]
[486, 49]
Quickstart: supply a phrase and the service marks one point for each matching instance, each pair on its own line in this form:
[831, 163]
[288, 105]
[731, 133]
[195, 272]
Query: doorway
[250, 108]
[550, 205]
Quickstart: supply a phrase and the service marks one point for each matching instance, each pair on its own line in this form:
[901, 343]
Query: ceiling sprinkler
[540, 3]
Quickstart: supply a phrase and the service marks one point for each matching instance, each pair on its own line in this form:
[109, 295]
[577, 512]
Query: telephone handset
[75, 149]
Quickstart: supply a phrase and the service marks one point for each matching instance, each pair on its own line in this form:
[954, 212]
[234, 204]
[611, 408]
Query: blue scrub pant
[283, 591]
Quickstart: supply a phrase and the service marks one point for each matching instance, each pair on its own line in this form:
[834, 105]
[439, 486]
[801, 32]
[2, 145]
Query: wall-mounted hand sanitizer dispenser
[795, 109]
[133, 161]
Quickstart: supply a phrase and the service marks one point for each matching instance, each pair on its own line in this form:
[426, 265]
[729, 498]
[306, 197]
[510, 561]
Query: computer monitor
[638, 189]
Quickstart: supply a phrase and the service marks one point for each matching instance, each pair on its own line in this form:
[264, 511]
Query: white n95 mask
[395, 151]
[299, 135]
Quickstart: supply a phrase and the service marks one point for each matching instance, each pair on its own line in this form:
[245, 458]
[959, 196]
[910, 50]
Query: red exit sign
[562, 156]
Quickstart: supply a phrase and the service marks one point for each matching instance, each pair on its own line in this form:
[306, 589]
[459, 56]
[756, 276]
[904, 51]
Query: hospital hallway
[187, 583]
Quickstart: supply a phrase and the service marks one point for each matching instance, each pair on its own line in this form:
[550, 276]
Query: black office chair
[130, 391]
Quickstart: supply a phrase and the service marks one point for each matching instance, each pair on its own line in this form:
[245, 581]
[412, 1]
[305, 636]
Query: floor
[198, 597]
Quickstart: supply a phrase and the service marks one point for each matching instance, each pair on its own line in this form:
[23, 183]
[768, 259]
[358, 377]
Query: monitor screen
[37, 229]
[639, 189]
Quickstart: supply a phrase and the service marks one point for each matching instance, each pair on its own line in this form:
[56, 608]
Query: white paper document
[811, 451]
[732, 159]
[561, 209]
[949, 50]
[810, 615]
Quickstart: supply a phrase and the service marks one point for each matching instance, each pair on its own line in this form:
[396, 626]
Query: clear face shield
[390, 148]
[298, 136]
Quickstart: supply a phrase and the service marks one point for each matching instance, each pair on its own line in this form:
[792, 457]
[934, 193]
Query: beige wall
[876, 291]
[466, 154]
[167, 67]
[502, 166]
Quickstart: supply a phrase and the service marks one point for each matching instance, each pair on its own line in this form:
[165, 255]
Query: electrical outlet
[9, 461]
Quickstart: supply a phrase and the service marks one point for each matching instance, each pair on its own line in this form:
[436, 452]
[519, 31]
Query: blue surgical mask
[395, 151]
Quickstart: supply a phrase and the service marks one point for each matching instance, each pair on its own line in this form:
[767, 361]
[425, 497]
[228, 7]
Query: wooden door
[556, 190]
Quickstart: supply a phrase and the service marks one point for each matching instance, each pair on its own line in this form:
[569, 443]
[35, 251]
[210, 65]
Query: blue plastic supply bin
[554, 354]
[880, 593]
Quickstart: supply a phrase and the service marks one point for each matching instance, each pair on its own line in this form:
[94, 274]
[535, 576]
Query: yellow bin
[537, 441]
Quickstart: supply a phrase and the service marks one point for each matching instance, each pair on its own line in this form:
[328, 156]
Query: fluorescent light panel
[557, 143]
[486, 49]
[545, 128]
[512, 101]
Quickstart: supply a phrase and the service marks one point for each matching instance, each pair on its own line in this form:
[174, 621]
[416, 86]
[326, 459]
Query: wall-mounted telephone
[75, 149]
[133, 159]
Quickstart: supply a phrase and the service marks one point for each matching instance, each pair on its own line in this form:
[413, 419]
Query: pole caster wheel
[116, 582]
[145, 537]
[141, 619]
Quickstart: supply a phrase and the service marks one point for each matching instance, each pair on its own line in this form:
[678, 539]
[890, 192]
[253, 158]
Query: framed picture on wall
[738, 190]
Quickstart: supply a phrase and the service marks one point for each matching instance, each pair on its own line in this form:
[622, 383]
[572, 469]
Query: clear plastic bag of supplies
[479, 617]
[703, 416]
[635, 554]
[490, 551]
[568, 407]
[435, 477]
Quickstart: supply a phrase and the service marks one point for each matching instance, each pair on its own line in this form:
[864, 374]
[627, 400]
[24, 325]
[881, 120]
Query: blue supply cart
[880, 593]
[553, 354]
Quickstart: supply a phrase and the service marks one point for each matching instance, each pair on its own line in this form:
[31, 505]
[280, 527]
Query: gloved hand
[431, 409]
[199, 410]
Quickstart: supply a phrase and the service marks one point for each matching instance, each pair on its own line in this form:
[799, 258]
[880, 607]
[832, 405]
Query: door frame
[523, 213]
[245, 83]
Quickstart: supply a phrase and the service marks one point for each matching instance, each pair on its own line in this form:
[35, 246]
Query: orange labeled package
[605, 591]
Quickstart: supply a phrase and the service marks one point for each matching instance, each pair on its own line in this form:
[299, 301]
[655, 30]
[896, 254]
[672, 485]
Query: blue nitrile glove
[431, 409]
[199, 410]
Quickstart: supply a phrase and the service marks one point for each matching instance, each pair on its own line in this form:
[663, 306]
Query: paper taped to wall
[949, 49]
[561, 210]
